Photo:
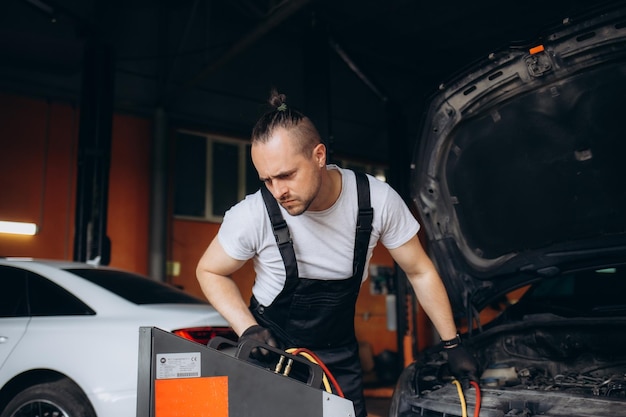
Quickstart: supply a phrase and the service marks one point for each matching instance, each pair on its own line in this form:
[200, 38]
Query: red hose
[324, 368]
[477, 407]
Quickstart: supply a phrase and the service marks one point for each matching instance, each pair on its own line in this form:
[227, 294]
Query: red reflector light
[204, 334]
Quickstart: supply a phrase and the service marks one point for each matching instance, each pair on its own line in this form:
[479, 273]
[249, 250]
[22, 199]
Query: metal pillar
[91, 242]
[158, 199]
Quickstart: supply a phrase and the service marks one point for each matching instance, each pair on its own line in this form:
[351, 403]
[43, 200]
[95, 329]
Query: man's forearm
[433, 298]
[427, 285]
[224, 295]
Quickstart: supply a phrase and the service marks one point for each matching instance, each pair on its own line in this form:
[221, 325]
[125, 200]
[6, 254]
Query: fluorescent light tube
[18, 228]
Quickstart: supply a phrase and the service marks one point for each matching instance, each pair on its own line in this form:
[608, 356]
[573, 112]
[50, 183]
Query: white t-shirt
[323, 241]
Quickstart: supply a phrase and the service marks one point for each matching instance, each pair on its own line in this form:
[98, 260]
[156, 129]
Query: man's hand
[261, 335]
[463, 365]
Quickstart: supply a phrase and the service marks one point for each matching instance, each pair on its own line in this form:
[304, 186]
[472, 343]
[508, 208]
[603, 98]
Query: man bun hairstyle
[278, 101]
[283, 116]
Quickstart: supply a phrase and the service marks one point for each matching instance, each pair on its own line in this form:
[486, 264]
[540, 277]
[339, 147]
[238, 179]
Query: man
[311, 250]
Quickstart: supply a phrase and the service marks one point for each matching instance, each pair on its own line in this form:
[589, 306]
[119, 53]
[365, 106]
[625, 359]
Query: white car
[69, 335]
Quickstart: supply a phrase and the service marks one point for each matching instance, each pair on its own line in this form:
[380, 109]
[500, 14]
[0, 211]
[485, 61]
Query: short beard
[296, 211]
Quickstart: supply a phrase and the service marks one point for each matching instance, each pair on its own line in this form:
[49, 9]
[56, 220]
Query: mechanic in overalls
[310, 231]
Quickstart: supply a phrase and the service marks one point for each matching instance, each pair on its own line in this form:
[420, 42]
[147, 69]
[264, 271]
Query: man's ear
[319, 153]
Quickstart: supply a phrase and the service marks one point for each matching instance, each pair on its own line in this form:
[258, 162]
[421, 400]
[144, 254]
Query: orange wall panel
[23, 132]
[57, 229]
[371, 311]
[189, 240]
[37, 175]
[129, 192]
[38, 157]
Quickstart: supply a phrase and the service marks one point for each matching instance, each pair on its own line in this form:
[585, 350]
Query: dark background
[363, 70]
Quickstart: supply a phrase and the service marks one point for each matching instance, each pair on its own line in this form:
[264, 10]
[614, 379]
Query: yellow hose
[459, 388]
[310, 358]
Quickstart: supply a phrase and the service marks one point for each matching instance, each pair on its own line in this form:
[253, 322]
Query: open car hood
[520, 172]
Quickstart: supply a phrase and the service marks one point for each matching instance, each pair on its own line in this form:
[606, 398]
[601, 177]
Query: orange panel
[128, 223]
[37, 169]
[24, 133]
[191, 397]
[38, 177]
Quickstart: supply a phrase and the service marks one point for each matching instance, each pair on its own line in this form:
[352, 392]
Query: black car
[520, 183]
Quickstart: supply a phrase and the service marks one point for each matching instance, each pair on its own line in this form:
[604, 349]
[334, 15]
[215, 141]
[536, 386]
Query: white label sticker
[178, 365]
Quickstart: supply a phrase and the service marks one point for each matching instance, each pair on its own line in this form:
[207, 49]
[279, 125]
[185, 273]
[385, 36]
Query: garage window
[212, 173]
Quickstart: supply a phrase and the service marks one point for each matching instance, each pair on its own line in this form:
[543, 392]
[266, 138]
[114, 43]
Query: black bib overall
[319, 314]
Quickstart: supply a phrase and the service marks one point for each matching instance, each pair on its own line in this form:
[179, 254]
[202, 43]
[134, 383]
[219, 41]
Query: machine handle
[242, 351]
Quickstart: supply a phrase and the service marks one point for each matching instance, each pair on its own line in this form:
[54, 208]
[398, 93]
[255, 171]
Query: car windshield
[135, 288]
[590, 293]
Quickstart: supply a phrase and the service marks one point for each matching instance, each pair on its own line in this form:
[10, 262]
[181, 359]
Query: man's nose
[279, 189]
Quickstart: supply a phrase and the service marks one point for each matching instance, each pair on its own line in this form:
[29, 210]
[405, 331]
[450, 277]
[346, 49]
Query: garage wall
[38, 153]
[129, 192]
[37, 170]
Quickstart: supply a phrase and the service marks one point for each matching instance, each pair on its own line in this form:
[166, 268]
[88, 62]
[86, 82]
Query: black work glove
[463, 365]
[260, 335]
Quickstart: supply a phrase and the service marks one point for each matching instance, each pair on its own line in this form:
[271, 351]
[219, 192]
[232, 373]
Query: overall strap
[283, 238]
[363, 224]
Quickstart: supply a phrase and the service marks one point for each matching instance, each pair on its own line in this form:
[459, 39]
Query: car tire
[60, 398]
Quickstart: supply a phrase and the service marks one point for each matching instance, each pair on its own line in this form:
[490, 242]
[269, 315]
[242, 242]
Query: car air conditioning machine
[181, 378]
